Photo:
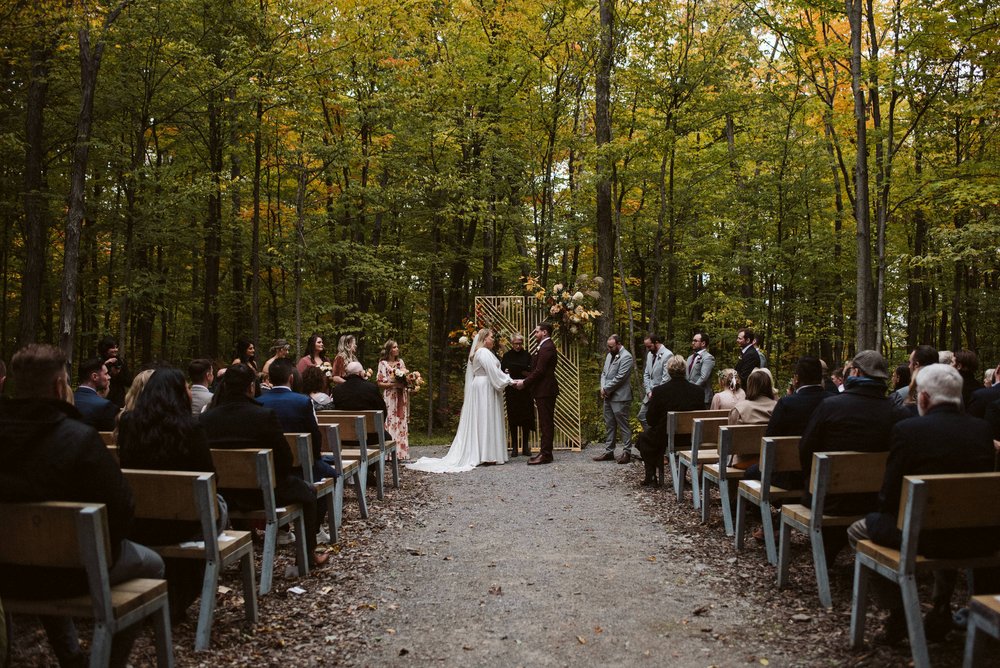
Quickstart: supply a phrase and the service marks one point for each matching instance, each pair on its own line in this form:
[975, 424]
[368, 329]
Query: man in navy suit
[983, 397]
[295, 411]
[749, 359]
[97, 411]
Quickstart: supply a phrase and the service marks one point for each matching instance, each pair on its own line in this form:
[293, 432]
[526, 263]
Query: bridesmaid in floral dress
[397, 396]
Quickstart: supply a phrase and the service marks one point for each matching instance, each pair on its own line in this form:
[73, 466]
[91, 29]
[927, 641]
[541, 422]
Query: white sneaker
[322, 538]
[285, 538]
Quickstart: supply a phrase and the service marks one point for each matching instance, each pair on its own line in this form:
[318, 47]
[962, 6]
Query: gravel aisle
[549, 566]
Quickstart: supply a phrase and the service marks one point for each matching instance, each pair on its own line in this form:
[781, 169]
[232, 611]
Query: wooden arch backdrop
[510, 315]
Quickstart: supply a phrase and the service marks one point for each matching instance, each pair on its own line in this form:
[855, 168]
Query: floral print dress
[397, 400]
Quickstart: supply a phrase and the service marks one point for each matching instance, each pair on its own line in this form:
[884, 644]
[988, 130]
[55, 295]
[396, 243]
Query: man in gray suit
[654, 373]
[201, 375]
[700, 365]
[616, 390]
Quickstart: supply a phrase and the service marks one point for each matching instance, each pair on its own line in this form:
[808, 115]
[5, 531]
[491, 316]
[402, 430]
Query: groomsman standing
[700, 365]
[616, 390]
[654, 373]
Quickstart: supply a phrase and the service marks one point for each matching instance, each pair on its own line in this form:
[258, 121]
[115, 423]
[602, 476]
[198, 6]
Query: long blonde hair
[136, 388]
[478, 342]
[343, 348]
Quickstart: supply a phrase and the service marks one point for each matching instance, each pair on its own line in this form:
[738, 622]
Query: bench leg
[100, 646]
[249, 588]
[727, 509]
[679, 480]
[267, 560]
[206, 608]
[164, 641]
[784, 552]
[859, 603]
[822, 573]
[973, 641]
[359, 489]
[380, 479]
[695, 485]
[363, 475]
[674, 473]
[914, 622]
[337, 509]
[704, 498]
[301, 551]
[395, 468]
[767, 522]
[741, 518]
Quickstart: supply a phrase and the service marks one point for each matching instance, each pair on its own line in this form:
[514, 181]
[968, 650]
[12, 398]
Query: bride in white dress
[481, 437]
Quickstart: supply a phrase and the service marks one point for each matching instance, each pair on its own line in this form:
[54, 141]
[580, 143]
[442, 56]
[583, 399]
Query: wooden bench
[352, 469]
[734, 440]
[375, 424]
[704, 450]
[75, 535]
[681, 423]
[302, 457]
[254, 470]
[984, 620]
[778, 454]
[108, 437]
[351, 428]
[187, 496]
[832, 473]
[930, 502]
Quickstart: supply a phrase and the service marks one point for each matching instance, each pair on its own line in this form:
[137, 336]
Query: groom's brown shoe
[604, 457]
[539, 459]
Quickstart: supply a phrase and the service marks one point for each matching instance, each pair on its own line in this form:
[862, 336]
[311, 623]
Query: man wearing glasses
[520, 408]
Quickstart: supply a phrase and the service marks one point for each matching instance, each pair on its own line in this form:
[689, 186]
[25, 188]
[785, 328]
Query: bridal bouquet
[412, 380]
[570, 311]
[327, 369]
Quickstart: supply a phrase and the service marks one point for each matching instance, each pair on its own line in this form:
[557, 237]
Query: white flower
[464, 340]
[558, 287]
[578, 297]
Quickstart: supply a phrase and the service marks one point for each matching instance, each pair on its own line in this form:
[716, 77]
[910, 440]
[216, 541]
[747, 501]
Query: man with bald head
[356, 393]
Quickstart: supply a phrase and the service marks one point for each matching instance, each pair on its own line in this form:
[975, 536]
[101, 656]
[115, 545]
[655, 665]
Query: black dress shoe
[604, 457]
[539, 459]
[513, 453]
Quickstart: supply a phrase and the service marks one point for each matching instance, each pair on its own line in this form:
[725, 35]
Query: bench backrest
[299, 444]
[705, 434]
[352, 425]
[50, 534]
[781, 453]
[947, 501]
[845, 473]
[740, 439]
[682, 422]
[330, 444]
[374, 419]
[177, 495]
[113, 451]
[108, 437]
[243, 468]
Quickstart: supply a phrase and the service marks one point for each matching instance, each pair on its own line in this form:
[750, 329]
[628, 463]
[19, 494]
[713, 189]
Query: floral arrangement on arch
[411, 380]
[570, 310]
[463, 336]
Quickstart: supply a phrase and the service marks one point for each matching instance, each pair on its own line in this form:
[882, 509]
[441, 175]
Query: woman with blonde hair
[396, 392]
[347, 348]
[730, 393]
[481, 436]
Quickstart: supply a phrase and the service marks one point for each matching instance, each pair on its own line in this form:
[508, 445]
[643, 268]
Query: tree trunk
[209, 340]
[865, 334]
[602, 132]
[35, 198]
[90, 63]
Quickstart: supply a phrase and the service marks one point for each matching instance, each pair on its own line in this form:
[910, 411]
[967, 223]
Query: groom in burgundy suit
[541, 380]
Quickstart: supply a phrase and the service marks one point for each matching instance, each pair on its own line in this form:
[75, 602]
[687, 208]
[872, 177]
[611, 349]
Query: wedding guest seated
[966, 363]
[860, 418]
[47, 453]
[234, 420]
[730, 393]
[356, 393]
[295, 412]
[160, 433]
[95, 410]
[920, 356]
[900, 377]
[984, 396]
[756, 408]
[314, 384]
[677, 395]
[941, 440]
[201, 373]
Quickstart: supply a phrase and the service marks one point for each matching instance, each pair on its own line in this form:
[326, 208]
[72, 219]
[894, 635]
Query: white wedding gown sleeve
[481, 435]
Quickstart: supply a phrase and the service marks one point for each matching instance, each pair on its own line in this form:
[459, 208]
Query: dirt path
[548, 566]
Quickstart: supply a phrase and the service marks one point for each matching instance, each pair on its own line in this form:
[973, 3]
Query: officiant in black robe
[520, 407]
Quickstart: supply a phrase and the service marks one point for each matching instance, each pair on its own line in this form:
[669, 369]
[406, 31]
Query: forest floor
[567, 564]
